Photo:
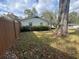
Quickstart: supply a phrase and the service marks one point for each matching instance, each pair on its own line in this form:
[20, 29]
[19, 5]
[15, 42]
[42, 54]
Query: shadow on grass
[32, 47]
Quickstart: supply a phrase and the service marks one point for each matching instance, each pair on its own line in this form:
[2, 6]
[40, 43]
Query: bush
[39, 28]
[25, 28]
[34, 28]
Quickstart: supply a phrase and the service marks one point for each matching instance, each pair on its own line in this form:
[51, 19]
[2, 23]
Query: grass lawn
[42, 45]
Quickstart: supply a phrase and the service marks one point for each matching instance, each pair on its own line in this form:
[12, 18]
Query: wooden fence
[9, 32]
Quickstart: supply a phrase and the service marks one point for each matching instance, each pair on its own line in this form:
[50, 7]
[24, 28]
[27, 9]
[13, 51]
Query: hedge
[34, 28]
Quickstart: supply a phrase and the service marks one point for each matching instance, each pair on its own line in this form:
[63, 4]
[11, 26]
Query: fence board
[9, 32]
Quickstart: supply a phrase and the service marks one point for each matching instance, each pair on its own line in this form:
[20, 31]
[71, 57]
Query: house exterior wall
[34, 21]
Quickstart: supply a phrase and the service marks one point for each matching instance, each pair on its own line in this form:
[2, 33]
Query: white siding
[35, 22]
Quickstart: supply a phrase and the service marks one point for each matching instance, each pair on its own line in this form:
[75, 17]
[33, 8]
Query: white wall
[35, 22]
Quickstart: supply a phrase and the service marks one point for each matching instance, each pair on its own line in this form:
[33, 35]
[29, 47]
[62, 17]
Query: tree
[62, 28]
[28, 13]
[31, 12]
[73, 17]
[49, 17]
[34, 11]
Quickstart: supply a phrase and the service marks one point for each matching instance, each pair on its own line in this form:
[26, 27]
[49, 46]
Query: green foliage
[30, 12]
[74, 18]
[34, 11]
[25, 28]
[34, 28]
[39, 28]
[49, 16]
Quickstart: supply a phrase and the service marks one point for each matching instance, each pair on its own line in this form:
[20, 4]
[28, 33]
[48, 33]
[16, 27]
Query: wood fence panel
[17, 26]
[9, 32]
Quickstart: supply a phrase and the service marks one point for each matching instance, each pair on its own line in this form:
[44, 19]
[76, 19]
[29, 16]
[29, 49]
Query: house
[35, 21]
[73, 26]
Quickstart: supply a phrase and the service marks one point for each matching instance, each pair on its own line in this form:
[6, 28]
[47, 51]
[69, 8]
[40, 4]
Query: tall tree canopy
[28, 13]
[31, 12]
[49, 16]
[34, 11]
[74, 17]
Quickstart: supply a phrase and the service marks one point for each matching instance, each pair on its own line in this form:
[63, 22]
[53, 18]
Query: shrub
[34, 28]
[25, 28]
[40, 28]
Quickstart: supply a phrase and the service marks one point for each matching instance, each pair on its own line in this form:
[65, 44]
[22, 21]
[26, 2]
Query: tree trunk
[62, 28]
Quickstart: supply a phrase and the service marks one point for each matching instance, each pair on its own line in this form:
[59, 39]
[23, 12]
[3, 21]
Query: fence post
[14, 28]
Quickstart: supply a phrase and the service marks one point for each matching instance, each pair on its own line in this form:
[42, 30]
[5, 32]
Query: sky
[18, 6]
